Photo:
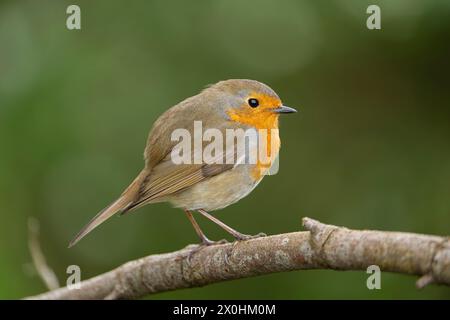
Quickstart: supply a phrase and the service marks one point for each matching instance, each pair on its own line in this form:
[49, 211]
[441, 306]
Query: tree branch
[321, 247]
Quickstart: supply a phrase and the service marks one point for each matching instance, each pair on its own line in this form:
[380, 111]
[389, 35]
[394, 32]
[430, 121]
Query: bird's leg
[236, 234]
[204, 240]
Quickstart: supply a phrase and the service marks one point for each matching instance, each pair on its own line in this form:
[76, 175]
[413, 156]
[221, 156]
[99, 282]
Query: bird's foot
[203, 244]
[206, 242]
[243, 237]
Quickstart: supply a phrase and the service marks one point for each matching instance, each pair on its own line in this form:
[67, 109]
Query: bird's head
[251, 103]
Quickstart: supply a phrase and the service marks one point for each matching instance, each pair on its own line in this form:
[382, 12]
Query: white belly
[217, 192]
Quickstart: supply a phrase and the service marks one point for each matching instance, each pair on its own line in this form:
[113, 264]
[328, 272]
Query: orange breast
[273, 147]
[260, 119]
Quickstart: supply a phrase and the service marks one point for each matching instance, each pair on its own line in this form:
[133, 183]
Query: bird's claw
[243, 237]
[207, 242]
[197, 247]
[222, 241]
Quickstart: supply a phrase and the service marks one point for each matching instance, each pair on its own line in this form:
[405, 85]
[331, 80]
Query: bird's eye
[253, 102]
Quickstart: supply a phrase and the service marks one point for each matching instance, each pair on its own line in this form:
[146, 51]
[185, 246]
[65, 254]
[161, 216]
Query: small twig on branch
[44, 271]
[321, 247]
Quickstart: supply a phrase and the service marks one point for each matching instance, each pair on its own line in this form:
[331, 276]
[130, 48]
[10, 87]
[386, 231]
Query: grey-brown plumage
[194, 186]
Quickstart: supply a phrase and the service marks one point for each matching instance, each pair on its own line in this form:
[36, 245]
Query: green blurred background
[370, 147]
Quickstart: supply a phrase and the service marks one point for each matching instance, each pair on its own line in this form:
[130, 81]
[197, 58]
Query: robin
[205, 186]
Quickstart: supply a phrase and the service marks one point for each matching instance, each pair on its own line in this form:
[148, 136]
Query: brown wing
[167, 178]
[164, 176]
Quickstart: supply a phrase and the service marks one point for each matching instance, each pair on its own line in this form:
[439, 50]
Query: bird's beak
[284, 109]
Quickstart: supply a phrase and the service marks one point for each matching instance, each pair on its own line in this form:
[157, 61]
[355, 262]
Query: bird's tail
[120, 205]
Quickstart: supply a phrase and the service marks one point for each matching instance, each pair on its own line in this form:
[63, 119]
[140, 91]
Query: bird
[203, 186]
